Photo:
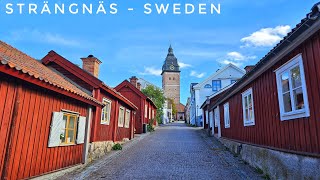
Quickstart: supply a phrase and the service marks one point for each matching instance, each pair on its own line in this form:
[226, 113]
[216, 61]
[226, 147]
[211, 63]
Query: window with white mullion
[248, 108]
[292, 91]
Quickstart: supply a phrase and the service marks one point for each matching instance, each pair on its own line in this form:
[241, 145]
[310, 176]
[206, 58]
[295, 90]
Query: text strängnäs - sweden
[110, 8]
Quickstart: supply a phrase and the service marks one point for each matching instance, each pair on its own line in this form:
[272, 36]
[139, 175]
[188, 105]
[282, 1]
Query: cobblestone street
[173, 151]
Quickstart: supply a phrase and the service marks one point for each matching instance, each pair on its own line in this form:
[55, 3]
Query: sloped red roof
[19, 61]
[134, 89]
[52, 56]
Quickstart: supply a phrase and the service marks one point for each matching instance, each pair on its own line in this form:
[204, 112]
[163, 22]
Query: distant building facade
[213, 84]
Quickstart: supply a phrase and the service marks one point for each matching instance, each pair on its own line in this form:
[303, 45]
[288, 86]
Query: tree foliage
[174, 108]
[157, 96]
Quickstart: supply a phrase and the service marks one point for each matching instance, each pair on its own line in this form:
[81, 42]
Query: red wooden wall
[123, 132]
[111, 132]
[25, 118]
[300, 135]
[137, 101]
[103, 132]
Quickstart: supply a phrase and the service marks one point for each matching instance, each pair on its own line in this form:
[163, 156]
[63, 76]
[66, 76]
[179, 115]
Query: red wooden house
[43, 117]
[147, 109]
[275, 106]
[114, 122]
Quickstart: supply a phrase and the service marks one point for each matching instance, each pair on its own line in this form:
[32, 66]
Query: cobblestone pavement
[173, 151]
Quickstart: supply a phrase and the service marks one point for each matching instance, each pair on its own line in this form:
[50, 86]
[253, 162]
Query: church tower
[171, 77]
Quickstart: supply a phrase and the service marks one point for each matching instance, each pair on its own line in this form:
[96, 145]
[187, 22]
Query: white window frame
[248, 122]
[226, 115]
[126, 120]
[153, 114]
[149, 112]
[207, 116]
[146, 111]
[106, 121]
[294, 114]
[121, 120]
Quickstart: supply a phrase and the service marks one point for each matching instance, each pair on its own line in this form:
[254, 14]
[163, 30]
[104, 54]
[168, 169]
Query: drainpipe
[87, 136]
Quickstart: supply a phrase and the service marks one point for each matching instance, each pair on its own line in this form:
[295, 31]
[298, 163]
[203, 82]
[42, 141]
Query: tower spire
[170, 50]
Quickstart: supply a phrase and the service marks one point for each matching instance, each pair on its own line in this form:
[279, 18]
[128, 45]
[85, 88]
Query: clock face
[172, 67]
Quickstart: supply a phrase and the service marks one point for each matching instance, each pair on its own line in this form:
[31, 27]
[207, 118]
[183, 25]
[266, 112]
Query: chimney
[139, 86]
[248, 68]
[91, 64]
[134, 80]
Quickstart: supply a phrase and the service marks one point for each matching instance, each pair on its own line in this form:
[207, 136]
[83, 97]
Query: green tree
[156, 95]
[174, 108]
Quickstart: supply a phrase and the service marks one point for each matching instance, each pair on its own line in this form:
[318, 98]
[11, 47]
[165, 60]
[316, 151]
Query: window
[207, 117]
[149, 112]
[121, 117]
[226, 115]
[216, 85]
[68, 133]
[233, 81]
[127, 120]
[152, 114]
[67, 128]
[146, 111]
[207, 86]
[292, 92]
[105, 113]
[248, 109]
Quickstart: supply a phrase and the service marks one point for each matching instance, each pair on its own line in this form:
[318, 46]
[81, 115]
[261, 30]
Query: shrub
[117, 147]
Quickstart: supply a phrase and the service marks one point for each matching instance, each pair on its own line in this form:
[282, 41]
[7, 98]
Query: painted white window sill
[249, 123]
[104, 123]
[294, 115]
[227, 127]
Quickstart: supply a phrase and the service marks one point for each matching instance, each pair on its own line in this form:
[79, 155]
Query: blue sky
[132, 43]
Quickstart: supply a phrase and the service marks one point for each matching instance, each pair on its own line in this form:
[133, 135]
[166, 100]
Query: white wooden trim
[125, 118]
[106, 122]
[226, 110]
[296, 61]
[252, 121]
[119, 123]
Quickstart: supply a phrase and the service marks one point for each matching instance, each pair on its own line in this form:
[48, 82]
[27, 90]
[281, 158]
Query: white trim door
[217, 120]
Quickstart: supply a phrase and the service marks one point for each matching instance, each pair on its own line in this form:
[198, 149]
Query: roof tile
[20, 61]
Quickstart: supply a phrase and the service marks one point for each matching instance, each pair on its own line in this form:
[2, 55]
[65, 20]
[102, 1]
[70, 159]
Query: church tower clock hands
[171, 77]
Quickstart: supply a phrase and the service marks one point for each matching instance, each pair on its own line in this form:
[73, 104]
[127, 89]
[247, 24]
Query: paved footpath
[173, 151]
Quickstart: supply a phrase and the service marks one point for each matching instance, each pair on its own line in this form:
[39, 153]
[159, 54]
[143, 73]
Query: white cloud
[232, 62]
[43, 37]
[151, 71]
[198, 75]
[265, 37]
[184, 65]
[236, 58]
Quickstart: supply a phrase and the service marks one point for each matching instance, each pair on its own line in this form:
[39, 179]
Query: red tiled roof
[20, 61]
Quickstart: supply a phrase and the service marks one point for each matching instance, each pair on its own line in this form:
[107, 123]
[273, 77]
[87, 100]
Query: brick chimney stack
[248, 68]
[91, 64]
[139, 86]
[134, 80]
